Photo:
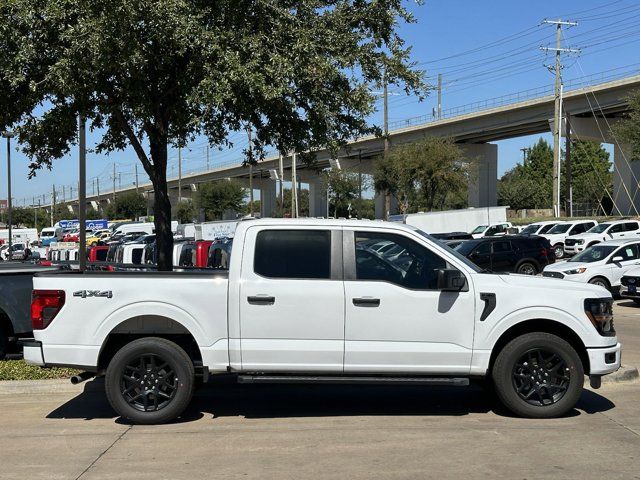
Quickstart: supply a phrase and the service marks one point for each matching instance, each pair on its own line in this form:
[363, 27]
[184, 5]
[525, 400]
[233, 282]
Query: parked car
[72, 235]
[491, 229]
[558, 234]
[601, 264]
[50, 235]
[220, 254]
[539, 228]
[97, 253]
[452, 236]
[620, 229]
[630, 285]
[129, 253]
[16, 284]
[93, 238]
[308, 301]
[527, 255]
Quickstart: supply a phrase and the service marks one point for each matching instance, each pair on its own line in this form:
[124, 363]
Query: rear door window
[617, 228]
[631, 226]
[303, 254]
[501, 247]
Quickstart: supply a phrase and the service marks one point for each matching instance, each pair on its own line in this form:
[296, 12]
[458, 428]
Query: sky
[484, 49]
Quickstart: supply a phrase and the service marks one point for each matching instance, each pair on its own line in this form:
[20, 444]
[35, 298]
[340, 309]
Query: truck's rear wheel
[150, 381]
[538, 375]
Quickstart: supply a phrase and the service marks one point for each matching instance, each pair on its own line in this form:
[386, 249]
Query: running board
[325, 379]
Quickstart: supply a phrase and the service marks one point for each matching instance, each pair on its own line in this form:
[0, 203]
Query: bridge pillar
[268, 198]
[317, 198]
[483, 171]
[626, 178]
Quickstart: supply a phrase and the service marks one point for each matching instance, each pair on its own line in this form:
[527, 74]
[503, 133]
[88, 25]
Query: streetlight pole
[8, 136]
[82, 192]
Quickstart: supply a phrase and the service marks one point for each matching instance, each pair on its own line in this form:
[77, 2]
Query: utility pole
[281, 176]
[250, 157]
[525, 152]
[8, 136]
[387, 195]
[294, 186]
[179, 175]
[207, 157]
[53, 202]
[567, 163]
[137, 186]
[35, 213]
[82, 194]
[439, 96]
[98, 189]
[557, 117]
[114, 182]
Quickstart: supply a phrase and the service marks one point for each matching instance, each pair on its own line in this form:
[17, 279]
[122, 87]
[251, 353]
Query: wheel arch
[5, 323]
[149, 325]
[541, 325]
[603, 278]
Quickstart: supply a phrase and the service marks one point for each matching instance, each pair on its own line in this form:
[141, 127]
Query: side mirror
[617, 259]
[451, 280]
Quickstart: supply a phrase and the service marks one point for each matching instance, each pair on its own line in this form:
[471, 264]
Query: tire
[558, 250]
[527, 268]
[538, 356]
[149, 360]
[601, 281]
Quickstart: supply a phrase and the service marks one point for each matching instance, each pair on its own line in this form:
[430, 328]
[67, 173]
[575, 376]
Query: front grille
[553, 274]
[626, 281]
[570, 242]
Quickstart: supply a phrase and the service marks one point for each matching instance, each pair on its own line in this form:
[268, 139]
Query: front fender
[489, 337]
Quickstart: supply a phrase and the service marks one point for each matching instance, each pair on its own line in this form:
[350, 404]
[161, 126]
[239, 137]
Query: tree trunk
[161, 206]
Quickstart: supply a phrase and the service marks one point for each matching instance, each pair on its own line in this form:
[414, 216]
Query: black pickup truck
[16, 283]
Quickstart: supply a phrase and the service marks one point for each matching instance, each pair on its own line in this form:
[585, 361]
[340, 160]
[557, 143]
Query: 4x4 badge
[93, 293]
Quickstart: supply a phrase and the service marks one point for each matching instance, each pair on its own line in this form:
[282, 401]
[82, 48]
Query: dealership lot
[259, 431]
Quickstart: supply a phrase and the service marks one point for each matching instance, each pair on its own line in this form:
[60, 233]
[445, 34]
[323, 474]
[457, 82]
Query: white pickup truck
[321, 301]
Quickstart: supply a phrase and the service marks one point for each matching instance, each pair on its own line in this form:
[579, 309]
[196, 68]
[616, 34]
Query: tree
[303, 203]
[628, 129]
[157, 73]
[343, 188]
[529, 185]
[128, 205]
[186, 211]
[215, 198]
[429, 174]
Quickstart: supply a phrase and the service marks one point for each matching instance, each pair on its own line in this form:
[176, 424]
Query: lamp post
[8, 136]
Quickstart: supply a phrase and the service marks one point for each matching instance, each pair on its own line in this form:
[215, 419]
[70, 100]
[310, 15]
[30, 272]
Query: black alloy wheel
[541, 377]
[148, 383]
[538, 375]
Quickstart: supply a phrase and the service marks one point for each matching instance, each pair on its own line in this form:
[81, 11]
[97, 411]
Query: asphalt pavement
[299, 432]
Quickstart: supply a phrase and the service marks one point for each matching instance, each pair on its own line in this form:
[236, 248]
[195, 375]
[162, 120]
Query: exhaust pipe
[76, 379]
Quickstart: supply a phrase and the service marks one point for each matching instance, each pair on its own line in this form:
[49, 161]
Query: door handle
[366, 302]
[261, 300]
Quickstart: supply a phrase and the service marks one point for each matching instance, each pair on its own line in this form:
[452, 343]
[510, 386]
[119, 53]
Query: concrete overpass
[593, 109]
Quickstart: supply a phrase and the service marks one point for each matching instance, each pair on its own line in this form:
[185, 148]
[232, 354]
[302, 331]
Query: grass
[20, 370]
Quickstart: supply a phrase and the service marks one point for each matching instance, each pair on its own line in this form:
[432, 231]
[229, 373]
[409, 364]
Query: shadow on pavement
[225, 398]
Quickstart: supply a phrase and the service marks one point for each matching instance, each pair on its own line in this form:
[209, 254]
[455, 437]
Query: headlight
[579, 242]
[600, 312]
[575, 271]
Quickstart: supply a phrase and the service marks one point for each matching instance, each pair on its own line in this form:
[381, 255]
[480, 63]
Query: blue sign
[90, 224]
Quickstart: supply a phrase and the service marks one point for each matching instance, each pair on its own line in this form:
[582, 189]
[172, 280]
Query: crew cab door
[630, 259]
[292, 300]
[396, 319]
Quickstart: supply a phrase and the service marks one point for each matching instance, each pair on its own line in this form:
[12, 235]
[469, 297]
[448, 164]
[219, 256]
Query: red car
[97, 253]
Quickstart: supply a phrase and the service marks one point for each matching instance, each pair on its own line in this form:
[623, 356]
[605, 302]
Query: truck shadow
[223, 398]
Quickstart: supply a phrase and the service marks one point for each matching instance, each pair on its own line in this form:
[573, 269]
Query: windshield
[479, 229]
[594, 254]
[455, 253]
[599, 228]
[44, 233]
[560, 228]
[530, 229]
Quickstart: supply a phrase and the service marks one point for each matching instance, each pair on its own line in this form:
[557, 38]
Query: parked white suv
[308, 301]
[558, 234]
[539, 228]
[619, 229]
[601, 264]
[491, 230]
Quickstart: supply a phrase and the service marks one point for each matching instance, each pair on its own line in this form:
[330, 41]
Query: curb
[624, 374]
[18, 387]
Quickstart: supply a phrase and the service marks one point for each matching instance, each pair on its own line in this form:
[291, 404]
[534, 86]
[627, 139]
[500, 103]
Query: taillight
[544, 252]
[45, 305]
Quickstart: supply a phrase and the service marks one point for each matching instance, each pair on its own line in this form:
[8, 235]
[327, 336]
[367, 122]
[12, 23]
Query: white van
[50, 235]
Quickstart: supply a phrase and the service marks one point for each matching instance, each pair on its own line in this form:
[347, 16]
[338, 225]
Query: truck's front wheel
[538, 375]
[150, 381]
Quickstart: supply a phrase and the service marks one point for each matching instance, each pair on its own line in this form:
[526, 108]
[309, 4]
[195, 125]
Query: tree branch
[135, 143]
